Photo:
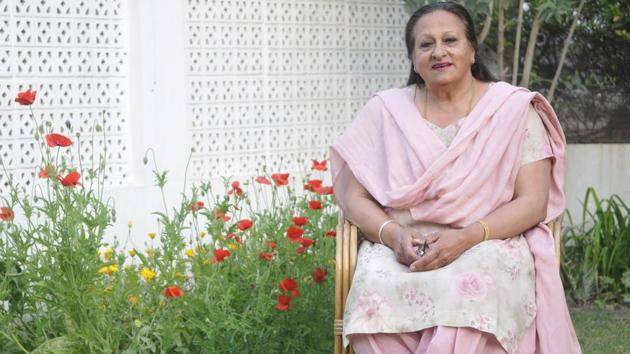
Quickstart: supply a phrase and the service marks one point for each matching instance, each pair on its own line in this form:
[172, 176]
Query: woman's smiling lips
[441, 66]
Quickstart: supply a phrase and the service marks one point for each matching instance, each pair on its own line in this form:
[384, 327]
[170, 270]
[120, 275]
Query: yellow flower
[133, 299]
[162, 303]
[109, 270]
[147, 274]
[150, 252]
[202, 234]
[152, 235]
[233, 246]
[107, 254]
[180, 275]
[190, 252]
[132, 252]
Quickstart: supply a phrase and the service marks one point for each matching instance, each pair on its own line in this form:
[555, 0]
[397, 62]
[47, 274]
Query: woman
[452, 180]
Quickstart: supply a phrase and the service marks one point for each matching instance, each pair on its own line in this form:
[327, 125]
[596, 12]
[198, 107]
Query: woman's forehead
[438, 23]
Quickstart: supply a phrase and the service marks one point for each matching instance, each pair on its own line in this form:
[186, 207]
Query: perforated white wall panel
[73, 53]
[274, 82]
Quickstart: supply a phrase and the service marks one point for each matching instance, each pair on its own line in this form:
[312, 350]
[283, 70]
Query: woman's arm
[360, 208]
[524, 211]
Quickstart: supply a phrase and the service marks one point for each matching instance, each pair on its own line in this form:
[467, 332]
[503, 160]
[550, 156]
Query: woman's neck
[450, 93]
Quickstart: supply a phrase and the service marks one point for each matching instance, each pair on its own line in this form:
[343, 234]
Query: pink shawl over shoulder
[398, 158]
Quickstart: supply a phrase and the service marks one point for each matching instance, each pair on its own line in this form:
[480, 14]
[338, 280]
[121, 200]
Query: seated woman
[452, 180]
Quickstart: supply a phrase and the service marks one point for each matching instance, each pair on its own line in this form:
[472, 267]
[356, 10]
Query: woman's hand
[443, 248]
[400, 242]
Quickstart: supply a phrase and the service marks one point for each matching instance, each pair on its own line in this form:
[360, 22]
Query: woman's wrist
[473, 234]
[390, 233]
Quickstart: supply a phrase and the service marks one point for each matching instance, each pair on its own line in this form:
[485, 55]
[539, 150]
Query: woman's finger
[422, 263]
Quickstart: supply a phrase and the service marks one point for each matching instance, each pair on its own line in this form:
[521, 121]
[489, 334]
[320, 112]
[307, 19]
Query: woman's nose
[438, 51]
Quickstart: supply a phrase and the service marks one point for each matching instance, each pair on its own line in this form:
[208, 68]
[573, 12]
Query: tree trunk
[500, 40]
[486, 25]
[531, 48]
[517, 43]
[565, 49]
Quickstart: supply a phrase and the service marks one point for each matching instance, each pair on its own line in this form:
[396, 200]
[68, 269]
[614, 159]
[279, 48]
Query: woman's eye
[451, 40]
[425, 45]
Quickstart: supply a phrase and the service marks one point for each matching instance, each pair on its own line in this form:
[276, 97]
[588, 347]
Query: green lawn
[602, 331]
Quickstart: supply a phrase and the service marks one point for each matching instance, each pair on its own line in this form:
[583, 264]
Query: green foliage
[595, 264]
[63, 290]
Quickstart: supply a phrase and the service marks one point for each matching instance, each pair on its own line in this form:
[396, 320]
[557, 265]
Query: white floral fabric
[490, 287]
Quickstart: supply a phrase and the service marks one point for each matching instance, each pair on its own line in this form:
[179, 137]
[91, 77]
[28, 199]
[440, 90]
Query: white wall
[605, 167]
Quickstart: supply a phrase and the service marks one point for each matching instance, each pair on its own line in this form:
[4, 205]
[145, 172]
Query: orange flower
[267, 256]
[244, 224]
[314, 204]
[262, 180]
[284, 302]
[236, 189]
[331, 233]
[220, 255]
[54, 140]
[43, 173]
[300, 220]
[173, 292]
[6, 214]
[280, 179]
[26, 98]
[319, 275]
[294, 233]
[319, 166]
[324, 190]
[71, 180]
[271, 244]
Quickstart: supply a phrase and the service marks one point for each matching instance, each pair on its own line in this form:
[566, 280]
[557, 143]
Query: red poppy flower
[71, 180]
[26, 98]
[227, 218]
[6, 214]
[220, 255]
[289, 285]
[313, 184]
[284, 302]
[301, 250]
[324, 190]
[280, 179]
[195, 206]
[271, 244]
[236, 189]
[43, 173]
[300, 220]
[319, 275]
[267, 256]
[234, 236]
[319, 166]
[262, 180]
[244, 224]
[294, 233]
[57, 140]
[307, 242]
[331, 233]
[173, 292]
[314, 204]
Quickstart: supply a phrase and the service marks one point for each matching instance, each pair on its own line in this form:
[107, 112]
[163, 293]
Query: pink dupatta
[398, 158]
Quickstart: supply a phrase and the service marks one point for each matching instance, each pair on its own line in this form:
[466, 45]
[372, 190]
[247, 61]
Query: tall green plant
[596, 251]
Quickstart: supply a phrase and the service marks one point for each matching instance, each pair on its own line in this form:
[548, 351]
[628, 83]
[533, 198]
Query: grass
[602, 330]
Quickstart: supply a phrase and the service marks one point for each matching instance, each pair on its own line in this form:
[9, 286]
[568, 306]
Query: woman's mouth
[441, 66]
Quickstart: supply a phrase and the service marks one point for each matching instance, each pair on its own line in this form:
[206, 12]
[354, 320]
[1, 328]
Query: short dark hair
[478, 69]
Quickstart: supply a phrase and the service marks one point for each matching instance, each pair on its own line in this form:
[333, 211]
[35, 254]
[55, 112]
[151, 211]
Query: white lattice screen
[274, 82]
[73, 52]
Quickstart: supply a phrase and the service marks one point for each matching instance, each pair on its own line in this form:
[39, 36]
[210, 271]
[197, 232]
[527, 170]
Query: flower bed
[247, 271]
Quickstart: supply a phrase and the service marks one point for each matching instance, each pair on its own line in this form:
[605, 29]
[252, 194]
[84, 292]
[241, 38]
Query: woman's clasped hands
[425, 252]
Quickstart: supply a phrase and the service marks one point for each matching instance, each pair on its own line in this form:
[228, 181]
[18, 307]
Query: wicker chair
[346, 260]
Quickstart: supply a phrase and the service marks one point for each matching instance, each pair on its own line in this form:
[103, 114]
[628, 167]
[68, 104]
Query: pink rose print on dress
[530, 309]
[471, 286]
[370, 304]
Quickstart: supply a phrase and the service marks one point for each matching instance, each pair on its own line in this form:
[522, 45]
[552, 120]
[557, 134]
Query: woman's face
[442, 54]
